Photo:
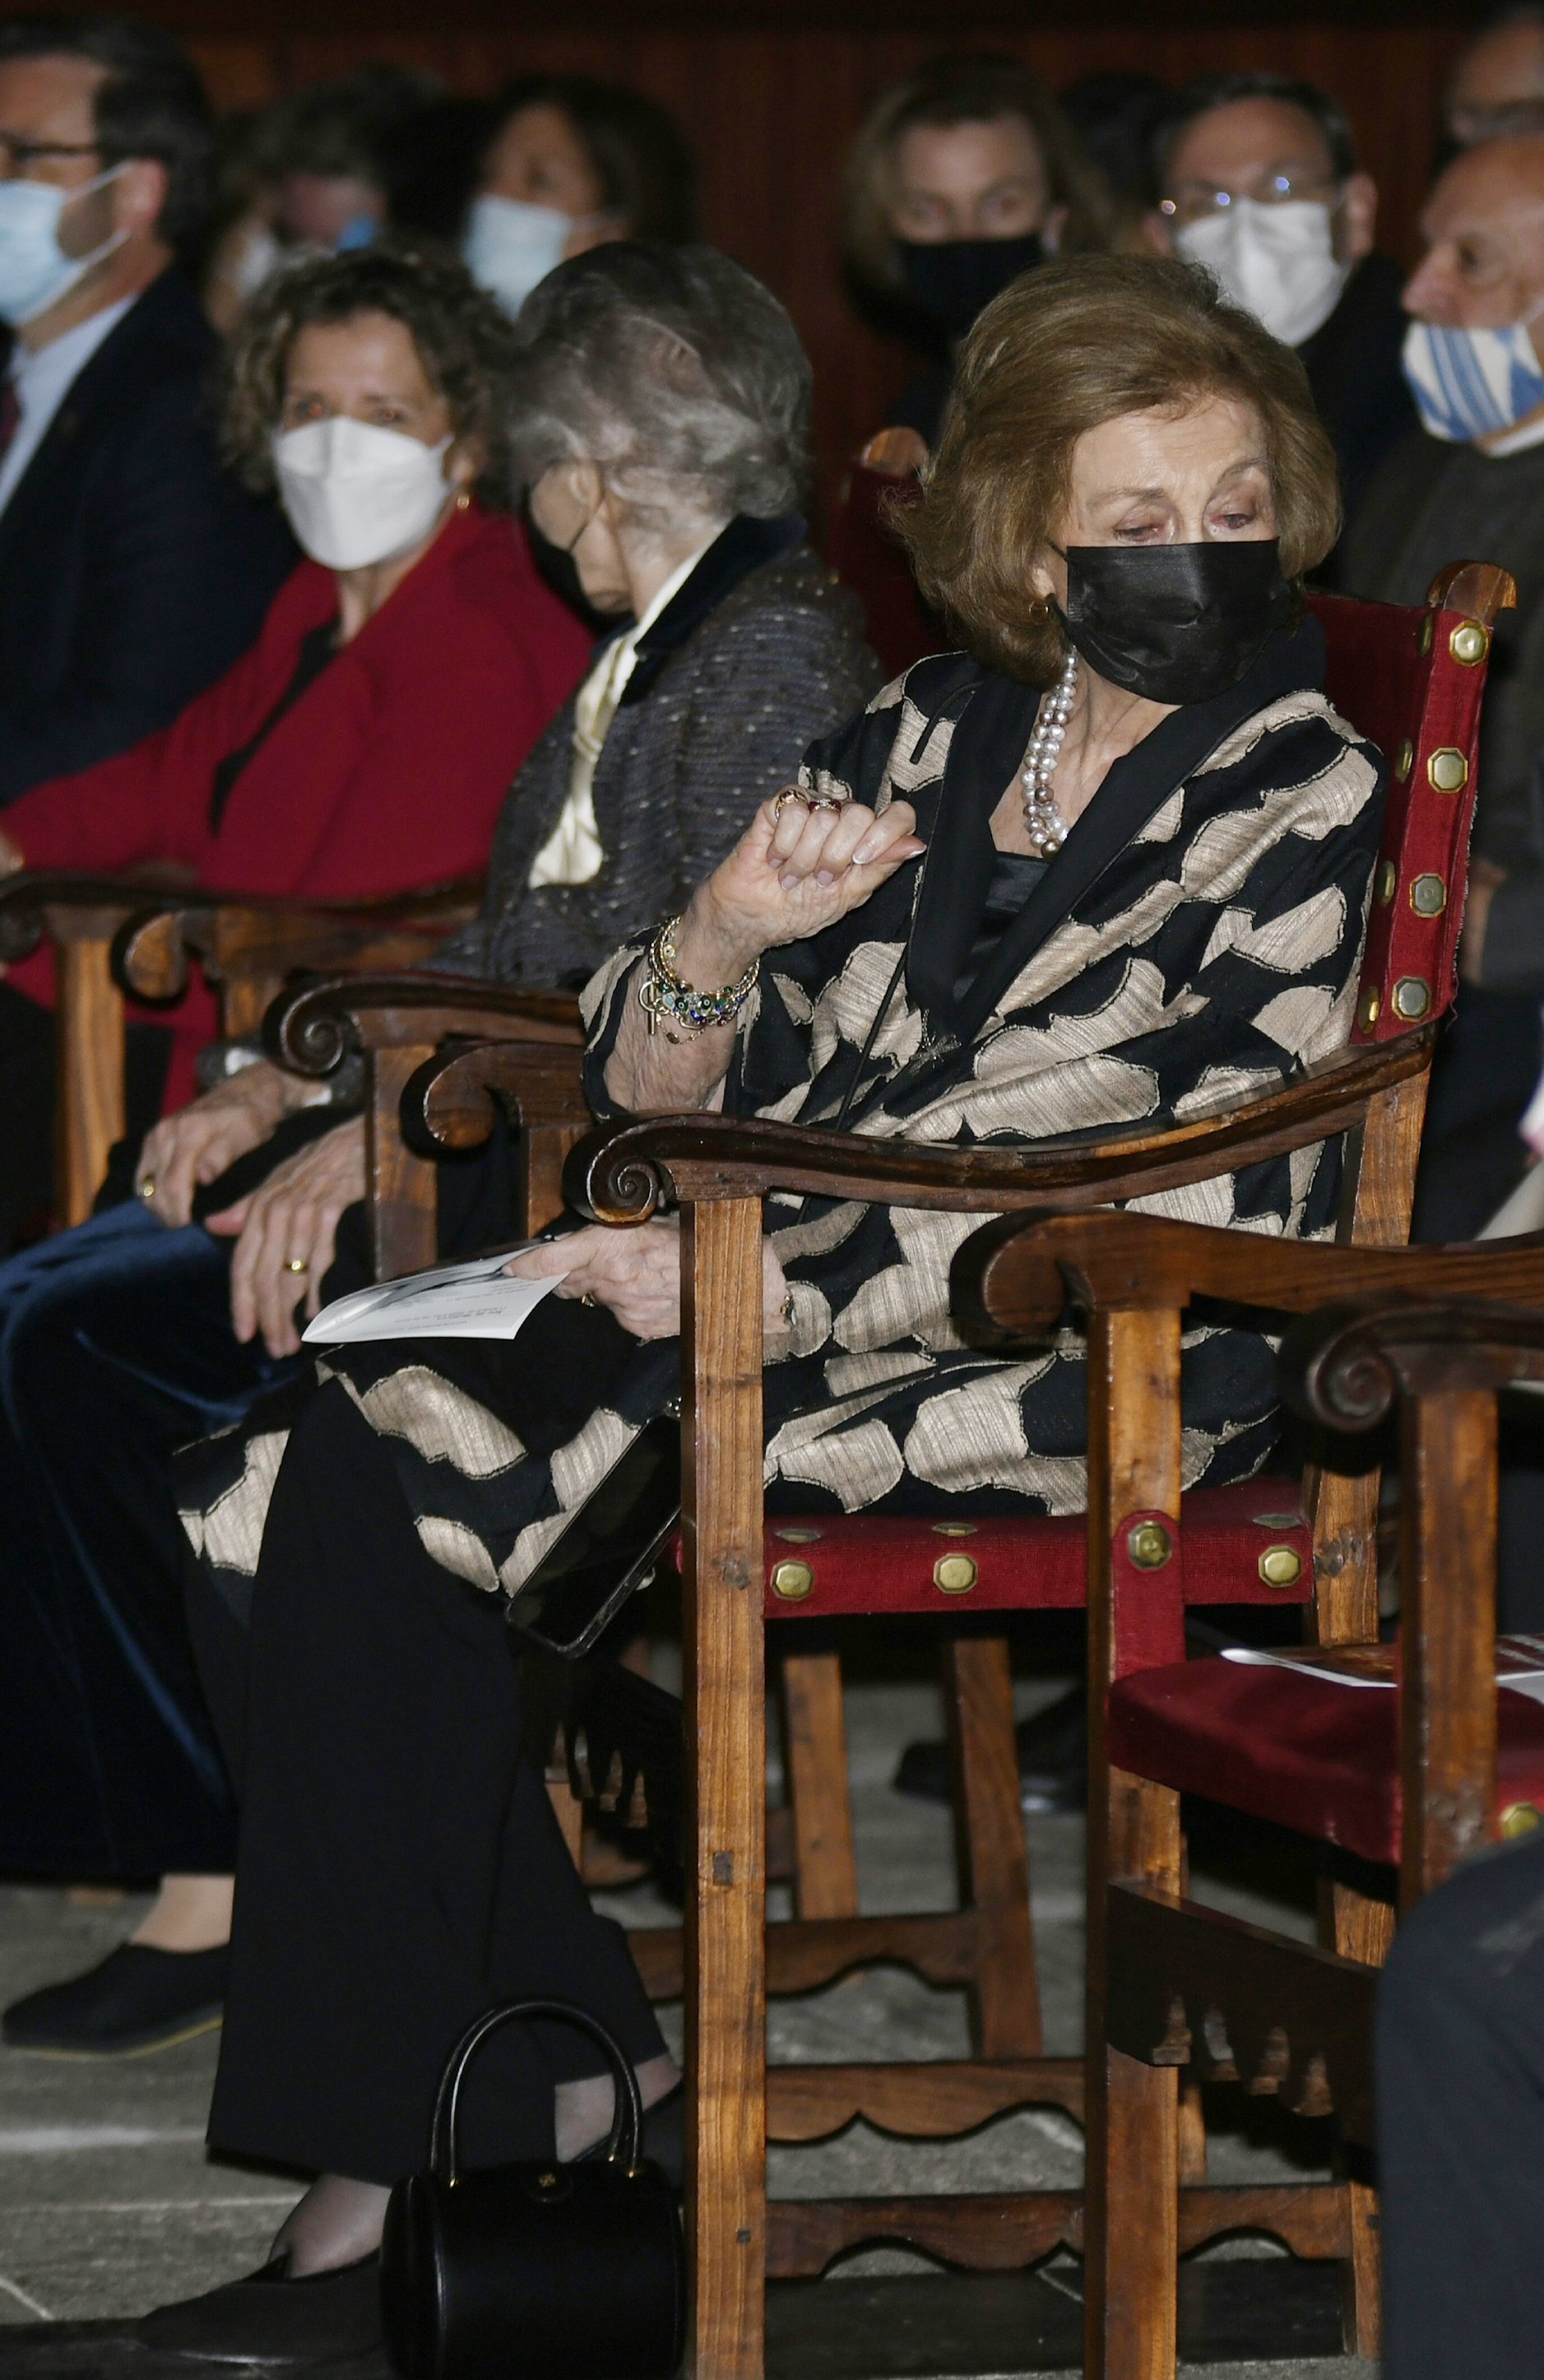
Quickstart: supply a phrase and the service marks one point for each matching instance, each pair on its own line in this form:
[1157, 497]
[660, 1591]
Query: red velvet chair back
[1411, 680]
[864, 555]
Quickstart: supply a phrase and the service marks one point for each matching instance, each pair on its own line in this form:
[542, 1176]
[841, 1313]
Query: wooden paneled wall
[770, 101]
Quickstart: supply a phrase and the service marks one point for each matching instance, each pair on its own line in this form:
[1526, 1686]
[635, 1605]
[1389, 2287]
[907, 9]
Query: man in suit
[133, 571]
[1258, 181]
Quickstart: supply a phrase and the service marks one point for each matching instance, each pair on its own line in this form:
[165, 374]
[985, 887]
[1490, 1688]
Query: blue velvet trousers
[115, 1348]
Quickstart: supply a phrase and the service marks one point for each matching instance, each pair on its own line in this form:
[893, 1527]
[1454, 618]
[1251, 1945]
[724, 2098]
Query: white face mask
[510, 245]
[1278, 262]
[357, 494]
[34, 271]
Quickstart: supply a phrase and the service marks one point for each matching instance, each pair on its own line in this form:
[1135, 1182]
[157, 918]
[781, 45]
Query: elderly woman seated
[1110, 862]
[660, 416]
[368, 392]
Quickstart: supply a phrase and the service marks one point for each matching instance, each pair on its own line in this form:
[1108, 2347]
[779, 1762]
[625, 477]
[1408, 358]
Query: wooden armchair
[1412, 681]
[116, 934]
[1410, 1781]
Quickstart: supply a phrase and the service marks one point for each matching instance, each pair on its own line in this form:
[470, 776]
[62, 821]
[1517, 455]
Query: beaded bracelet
[661, 994]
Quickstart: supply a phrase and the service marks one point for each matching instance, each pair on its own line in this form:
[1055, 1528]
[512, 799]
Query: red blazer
[387, 774]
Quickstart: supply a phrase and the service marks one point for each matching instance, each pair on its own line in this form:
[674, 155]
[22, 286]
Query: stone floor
[109, 2203]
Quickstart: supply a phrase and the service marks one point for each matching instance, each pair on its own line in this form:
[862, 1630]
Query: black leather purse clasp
[556, 2272]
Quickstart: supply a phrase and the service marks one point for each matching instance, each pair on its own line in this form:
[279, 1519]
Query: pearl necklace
[1046, 827]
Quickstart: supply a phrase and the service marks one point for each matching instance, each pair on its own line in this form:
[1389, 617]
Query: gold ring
[588, 1299]
[146, 1186]
[296, 1264]
[781, 800]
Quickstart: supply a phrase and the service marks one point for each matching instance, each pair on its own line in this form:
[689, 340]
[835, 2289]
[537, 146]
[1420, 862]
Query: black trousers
[1461, 2128]
[400, 1869]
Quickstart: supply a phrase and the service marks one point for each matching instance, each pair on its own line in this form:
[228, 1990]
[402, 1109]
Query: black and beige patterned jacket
[1195, 940]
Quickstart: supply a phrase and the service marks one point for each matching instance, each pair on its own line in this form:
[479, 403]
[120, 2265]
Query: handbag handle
[626, 2123]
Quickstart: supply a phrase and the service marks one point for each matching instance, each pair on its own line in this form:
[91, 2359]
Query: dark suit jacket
[133, 570]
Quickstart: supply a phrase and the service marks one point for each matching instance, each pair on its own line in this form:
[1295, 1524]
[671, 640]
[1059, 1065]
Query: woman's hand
[186, 1151]
[636, 1274]
[796, 868]
[286, 1233]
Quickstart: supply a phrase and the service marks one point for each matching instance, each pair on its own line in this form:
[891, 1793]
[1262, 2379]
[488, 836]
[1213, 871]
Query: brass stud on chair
[1520, 1818]
[794, 1537]
[1470, 643]
[1280, 1566]
[1149, 1545]
[955, 1573]
[1447, 769]
[1405, 761]
[1370, 1008]
[953, 1528]
[792, 1581]
[1412, 998]
[1388, 883]
[1429, 632]
[1429, 896]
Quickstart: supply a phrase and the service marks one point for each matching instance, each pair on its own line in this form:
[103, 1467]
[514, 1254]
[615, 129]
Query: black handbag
[547, 2272]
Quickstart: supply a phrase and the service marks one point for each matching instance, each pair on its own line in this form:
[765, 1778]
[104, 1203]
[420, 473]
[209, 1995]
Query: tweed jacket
[758, 653]
[1195, 940]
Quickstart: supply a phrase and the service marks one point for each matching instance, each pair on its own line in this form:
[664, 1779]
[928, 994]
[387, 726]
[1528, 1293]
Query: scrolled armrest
[619, 1174]
[28, 896]
[1013, 1273]
[449, 1103]
[310, 1030]
[1346, 1366]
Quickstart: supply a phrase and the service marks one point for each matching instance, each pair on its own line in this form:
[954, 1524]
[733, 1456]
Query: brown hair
[968, 88]
[1077, 344]
[465, 344]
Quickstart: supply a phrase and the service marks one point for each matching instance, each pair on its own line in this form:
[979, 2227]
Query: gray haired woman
[661, 407]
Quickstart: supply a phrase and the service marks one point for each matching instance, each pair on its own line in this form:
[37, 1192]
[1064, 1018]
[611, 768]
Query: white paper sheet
[1519, 1664]
[476, 1300]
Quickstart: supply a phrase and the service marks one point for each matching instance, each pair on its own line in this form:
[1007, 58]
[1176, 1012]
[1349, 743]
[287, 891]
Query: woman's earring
[463, 500]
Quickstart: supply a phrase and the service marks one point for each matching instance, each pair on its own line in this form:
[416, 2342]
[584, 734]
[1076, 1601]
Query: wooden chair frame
[112, 935]
[1133, 1276]
[718, 1170]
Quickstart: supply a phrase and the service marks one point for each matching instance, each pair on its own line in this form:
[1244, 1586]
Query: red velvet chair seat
[1321, 1759]
[864, 1563]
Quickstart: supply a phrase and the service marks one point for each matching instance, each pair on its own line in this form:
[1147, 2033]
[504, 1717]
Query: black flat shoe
[1052, 1760]
[272, 2320]
[137, 1999]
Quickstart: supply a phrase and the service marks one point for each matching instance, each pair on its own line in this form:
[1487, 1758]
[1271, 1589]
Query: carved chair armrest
[1013, 1273]
[1345, 1366]
[619, 1174]
[274, 936]
[70, 903]
[312, 1030]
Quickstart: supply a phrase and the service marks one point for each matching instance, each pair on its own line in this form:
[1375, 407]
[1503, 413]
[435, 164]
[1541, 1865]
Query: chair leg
[1359, 1927]
[819, 1795]
[988, 1838]
[1131, 2188]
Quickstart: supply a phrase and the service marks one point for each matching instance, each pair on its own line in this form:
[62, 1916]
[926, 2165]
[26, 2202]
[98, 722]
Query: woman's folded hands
[187, 1151]
[638, 1275]
[286, 1233]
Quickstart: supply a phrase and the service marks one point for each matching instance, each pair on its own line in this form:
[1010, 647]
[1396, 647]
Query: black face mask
[556, 564]
[1175, 623]
[951, 280]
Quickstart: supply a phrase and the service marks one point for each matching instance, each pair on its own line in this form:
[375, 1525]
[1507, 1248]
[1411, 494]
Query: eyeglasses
[17, 154]
[1198, 199]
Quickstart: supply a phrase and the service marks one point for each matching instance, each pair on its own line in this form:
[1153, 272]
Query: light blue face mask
[1470, 384]
[510, 245]
[34, 271]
